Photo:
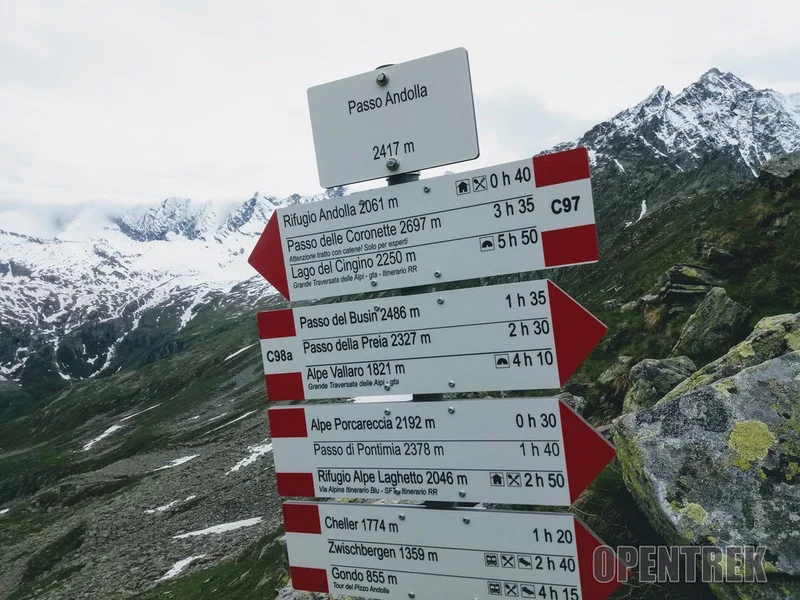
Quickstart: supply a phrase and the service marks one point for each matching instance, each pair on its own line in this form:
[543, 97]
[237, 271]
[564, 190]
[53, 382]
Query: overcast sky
[132, 102]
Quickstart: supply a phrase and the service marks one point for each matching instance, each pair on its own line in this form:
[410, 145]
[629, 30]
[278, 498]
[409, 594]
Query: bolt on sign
[400, 552]
[511, 451]
[521, 216]
[399, 118]
[517, 336]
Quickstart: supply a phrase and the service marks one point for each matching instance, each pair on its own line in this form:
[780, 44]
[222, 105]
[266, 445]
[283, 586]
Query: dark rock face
[650, 379]
[89, 345]
[717, 324]
[721, 464]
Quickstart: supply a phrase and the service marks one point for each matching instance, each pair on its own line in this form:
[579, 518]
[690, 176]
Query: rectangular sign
[522, 216]
[515, 451]
[401, 552]
[399, 118]
[518, 336]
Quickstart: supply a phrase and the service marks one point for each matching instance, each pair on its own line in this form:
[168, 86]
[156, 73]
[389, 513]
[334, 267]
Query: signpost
[521, 216]
[527, 335]
[515, 451]
[402, 552]
[517, 217]
[400, 118]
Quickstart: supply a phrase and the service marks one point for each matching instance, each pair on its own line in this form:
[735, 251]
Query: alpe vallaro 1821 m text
[134, 460]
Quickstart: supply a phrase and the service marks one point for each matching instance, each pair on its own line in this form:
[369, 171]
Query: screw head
[450, 409]
[387, 412]
[452, 384]
[382, 78]
[426, 189]
[437, 274]
[412, 595]
[376, 308]
[396, 492]
[393, 164]
[440, 301]
[374, 283]
[387, 387]
[466, 520]
[462, 493]
[401, 516]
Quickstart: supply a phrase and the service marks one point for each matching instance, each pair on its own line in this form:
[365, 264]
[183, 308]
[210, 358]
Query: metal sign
[399, 118]
[511, 451]
[521, 216]
[528, 335]
[402, 552]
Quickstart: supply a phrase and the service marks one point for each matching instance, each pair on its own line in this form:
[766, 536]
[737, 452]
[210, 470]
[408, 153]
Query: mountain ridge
[106, 266]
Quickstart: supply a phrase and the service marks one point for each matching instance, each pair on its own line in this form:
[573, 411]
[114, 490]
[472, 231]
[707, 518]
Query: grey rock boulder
[685, 284]
[716, 324]
[721, 464]
[771, 337]
[611, 376]
[651, 379]
[780, 167]
[576, 403]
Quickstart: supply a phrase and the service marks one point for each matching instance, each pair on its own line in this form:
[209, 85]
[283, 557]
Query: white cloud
[134, 102]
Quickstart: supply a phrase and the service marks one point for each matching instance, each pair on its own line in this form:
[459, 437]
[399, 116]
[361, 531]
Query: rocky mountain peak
[180, 216]
[717, 114]
[714, 79]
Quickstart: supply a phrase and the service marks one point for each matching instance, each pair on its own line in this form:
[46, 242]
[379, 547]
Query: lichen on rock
[750, 440]
[722, 461]
[771, 337]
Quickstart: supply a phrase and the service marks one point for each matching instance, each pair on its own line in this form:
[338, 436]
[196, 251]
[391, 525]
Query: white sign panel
[402, 552]
[528, 335]
[510, 451]
[415, 115]
[522, 216]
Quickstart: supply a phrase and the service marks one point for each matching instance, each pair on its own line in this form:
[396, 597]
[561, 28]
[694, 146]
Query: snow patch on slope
[225, 527]
[177, 462]
[179, 566]
[102, 436]
[166, 507]
[256, 452]
[237, 353]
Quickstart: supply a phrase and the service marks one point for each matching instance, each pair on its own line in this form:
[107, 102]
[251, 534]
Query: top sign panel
[421, 117]
[516, 217]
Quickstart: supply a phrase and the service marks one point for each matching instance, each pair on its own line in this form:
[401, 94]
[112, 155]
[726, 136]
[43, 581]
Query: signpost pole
[420, 289]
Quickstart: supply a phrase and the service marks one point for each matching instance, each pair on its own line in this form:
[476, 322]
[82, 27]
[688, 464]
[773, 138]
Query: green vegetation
[746, 235]
[258, 573]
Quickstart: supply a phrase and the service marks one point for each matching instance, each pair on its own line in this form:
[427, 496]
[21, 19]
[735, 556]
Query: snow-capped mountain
[718, 130]
[82, 291]
[69, 300]
[717, 111]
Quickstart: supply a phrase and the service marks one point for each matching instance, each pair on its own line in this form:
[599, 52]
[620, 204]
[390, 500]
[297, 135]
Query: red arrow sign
[363, 550]
[518, 336]
[516, 451]
[520, 216]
